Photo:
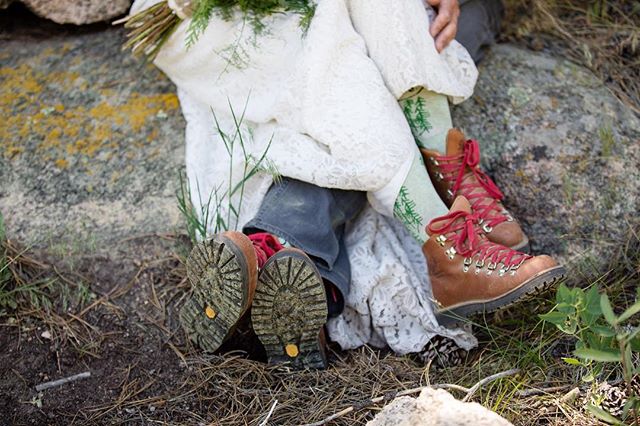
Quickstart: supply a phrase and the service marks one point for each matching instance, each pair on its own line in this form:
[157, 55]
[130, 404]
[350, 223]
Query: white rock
[436, 407]
[78, 11]
[46, 335]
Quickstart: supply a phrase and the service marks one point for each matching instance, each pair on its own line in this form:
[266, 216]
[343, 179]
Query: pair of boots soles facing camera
[473, 253]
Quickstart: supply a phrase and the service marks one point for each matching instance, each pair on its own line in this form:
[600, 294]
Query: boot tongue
[455, 142]
[461, 204]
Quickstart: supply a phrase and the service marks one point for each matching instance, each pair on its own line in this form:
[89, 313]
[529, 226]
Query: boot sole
[218, 273]
[542, 282]
[289, 310]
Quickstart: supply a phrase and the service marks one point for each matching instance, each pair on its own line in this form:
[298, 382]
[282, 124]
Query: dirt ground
[108, 305]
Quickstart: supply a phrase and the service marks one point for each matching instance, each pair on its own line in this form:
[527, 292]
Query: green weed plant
[603, 340]
[209, 216]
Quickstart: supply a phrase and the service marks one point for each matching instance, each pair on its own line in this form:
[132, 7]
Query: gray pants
[479, 25]
[312, 218]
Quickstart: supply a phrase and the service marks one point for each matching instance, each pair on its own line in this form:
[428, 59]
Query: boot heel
[218, 271]
[290, 310]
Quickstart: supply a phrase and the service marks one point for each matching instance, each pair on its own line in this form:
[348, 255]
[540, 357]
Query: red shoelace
[469, 241]
[265, 245]
[475, 190]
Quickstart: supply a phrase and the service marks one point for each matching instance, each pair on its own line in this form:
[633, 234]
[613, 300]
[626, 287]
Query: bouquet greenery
[150, 28]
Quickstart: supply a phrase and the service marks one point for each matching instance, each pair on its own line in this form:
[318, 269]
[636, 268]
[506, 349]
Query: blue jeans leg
[312, 219]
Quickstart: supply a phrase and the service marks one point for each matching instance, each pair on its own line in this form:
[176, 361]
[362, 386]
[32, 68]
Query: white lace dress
[325, 105]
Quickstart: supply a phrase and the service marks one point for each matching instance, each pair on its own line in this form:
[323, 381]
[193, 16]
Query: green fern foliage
[254, 11]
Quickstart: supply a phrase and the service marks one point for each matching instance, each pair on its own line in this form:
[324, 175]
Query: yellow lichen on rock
[68, 133]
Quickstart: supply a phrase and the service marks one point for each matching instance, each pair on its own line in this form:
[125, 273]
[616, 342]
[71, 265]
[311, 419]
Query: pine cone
[443, 352]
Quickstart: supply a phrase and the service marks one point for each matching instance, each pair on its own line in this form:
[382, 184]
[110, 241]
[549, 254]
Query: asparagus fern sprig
[150, 28]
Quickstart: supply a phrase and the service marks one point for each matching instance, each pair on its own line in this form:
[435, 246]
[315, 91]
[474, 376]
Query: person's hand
[444, 28]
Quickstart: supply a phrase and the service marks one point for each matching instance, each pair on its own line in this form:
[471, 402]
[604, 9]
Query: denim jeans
[312, 219]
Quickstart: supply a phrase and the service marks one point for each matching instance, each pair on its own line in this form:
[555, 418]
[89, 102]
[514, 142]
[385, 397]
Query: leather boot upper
[458, 172]
[466, 267]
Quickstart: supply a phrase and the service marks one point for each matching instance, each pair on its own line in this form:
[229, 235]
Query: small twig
[389, 396]
[266, 419]
[540, 391]
[60, 382]
[486, 380]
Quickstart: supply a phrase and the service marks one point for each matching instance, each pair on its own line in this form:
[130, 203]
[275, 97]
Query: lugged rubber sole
[217, 271]
[458, 314]
[290, 309]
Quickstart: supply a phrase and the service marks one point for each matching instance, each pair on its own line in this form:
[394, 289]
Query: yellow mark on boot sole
[292, 350]
[210, 312]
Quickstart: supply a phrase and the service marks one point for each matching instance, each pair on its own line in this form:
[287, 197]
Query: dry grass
[603, 35]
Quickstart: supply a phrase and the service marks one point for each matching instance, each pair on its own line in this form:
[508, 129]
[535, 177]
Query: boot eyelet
[439, 176]
[467, 264]
[451, 253]
[449, 193]
[479, 266]
[491, 267]
[503, 270]
[486, 228]
[434, 161]
[441, 239]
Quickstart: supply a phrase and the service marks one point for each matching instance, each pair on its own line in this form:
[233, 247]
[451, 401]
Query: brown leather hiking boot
[231, 273]
[458, 173]
[290, 310]
[223, 275]
[471, 274]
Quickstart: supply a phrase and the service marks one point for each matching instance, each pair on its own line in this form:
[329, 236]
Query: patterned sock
[429, 117]
[418, 202]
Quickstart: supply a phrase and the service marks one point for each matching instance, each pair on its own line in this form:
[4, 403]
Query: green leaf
[628, 363]
[572, 361]
[607, 311]
[553, 317]
[566, 308]
[603, 415]
[592, 306]
[631, 311]
[588, 378]
[563, 295]
[603, 330]
[610, 355]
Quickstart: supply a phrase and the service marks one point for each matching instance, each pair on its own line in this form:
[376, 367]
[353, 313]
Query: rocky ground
[92, 146]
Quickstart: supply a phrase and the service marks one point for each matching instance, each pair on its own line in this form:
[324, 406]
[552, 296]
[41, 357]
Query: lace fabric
[327, 101]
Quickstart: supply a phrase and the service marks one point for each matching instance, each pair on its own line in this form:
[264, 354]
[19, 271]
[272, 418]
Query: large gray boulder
[75, 11]
[563, 149]
[92, 143]
[436, 407]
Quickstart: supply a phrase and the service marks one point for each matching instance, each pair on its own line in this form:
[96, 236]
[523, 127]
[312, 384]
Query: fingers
[446, 36]
[444, 27]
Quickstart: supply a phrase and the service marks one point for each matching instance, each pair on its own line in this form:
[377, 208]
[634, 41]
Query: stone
[436, 407]
[92, 143]
[563, 149]
[78, 11]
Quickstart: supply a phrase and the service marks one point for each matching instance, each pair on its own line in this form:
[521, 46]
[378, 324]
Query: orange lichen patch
[58, 131]
[61, 163]
[20, 81]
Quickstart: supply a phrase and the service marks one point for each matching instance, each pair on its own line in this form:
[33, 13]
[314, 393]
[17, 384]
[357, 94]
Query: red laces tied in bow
[468, 242]
[471, 158]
